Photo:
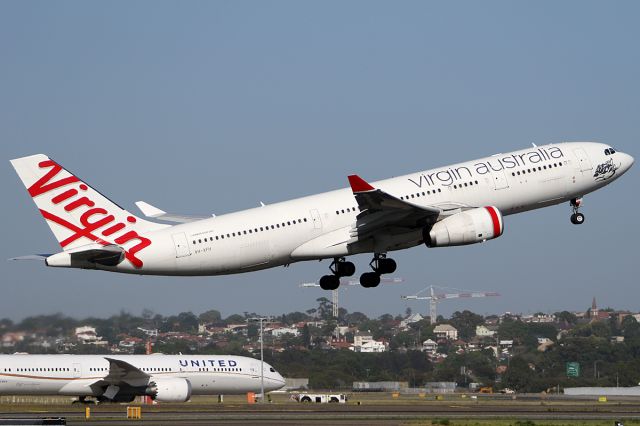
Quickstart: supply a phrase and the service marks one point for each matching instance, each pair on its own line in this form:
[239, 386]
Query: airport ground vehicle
[321, 398]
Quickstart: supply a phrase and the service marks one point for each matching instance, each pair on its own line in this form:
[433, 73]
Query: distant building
[445, 331]
[9, 340]
[429, 346]
[484, 331]
[87, 335]
[361, 337]
[404, 324]
[371, 346]
[363, 342]
[279, 332]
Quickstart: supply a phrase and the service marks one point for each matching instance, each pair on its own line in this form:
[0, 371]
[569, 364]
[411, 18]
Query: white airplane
[113, 378]
[454, 205]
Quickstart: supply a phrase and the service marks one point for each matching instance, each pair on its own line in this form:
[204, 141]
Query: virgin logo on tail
[92, 220]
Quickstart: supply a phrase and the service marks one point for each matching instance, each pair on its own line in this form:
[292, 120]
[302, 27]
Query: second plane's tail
[76, 213]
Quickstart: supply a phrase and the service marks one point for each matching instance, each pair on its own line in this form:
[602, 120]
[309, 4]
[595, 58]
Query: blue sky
[211, 107]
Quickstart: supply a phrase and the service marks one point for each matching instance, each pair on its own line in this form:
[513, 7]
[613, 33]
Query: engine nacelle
[172, 389]
[467, 227]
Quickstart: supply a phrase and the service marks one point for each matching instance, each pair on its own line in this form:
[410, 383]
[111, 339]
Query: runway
[371, 411]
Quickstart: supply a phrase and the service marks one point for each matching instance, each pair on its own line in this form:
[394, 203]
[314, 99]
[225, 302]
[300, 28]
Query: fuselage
[277, 234]
[95, 233]
[76, 375]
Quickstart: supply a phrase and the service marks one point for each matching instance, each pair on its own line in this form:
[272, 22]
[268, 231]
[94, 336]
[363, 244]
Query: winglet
[359, 185]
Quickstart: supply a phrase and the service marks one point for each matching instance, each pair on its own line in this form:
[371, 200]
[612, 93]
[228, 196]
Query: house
[9, 340]
[404, 324]
[484, 331]
[279, 332]
[370, 346]
[445, 331]
[86, 334]
[429, 346]
[363, 342]
[361, 337]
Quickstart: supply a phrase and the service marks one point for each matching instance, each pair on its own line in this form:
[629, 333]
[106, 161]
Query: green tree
[518, 376]
[210, 316]
[465, 322]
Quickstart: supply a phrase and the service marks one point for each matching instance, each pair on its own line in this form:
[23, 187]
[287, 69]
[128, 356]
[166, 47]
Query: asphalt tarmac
[371, 411]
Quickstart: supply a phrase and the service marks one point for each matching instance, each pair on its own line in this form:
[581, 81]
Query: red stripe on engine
[497, 231]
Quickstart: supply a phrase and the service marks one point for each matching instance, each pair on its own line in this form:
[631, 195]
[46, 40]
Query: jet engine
[171, 389]
[467, 227]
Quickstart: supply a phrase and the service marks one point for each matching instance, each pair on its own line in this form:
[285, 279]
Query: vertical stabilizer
[78, 214]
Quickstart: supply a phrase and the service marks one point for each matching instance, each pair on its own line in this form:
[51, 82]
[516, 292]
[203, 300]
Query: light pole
[261, 320]
[595, 368]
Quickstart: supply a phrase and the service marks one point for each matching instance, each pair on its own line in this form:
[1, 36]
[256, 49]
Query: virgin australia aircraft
[448, 206]
[165, 378]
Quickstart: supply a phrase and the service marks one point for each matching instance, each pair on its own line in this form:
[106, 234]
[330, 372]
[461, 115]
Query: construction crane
[433, 298]
[349, 282]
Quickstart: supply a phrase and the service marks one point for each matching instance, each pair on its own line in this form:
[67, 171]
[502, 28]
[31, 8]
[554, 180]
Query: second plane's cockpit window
[272, 370]
[609, 151]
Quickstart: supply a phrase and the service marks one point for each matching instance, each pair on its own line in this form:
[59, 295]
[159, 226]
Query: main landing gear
[340, 268]
[380, 265]
[577, 218]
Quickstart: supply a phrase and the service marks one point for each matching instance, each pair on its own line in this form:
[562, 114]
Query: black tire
[305, 399]
[579, 218]
[346, 269]
[329, 282]
[387, 266]
[369, 279]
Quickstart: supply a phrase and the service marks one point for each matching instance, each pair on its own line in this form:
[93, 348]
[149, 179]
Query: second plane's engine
[169, 389]
[467, 227]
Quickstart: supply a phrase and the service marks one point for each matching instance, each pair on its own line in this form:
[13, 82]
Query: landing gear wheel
[329, 282]
[342, 268]
[345, 269]
[387, 266]
[369, 279]
[577, 218]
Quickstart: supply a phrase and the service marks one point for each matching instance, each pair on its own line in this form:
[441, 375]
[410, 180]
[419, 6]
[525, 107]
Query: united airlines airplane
[112, 378]
[448, 206]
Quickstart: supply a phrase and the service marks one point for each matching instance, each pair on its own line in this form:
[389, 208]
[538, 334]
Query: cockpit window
[609, 151]
[272, 370]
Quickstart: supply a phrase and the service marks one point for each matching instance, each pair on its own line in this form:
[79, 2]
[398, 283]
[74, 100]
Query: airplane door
[182, 246]
[77, 370]
[583, 159]
[499, 179]
[315, 217]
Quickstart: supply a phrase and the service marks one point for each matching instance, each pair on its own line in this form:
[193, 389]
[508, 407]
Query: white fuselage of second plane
[322, 226]
[88, 375]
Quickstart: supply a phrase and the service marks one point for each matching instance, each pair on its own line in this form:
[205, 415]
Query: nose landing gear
[380, 265]
[577, 218]
[340, 268]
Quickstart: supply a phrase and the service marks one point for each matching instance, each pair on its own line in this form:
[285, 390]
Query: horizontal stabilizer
[31, 257]
[151, 211]
[88, 256]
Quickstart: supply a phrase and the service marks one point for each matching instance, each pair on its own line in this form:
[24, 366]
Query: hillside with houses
[521, 352]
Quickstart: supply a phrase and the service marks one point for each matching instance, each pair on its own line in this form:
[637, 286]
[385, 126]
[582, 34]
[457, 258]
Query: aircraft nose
[627, 161]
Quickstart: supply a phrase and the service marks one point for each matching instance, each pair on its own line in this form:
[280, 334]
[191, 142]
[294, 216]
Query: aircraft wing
[380, 211]
[121, 372]
[155, 213]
